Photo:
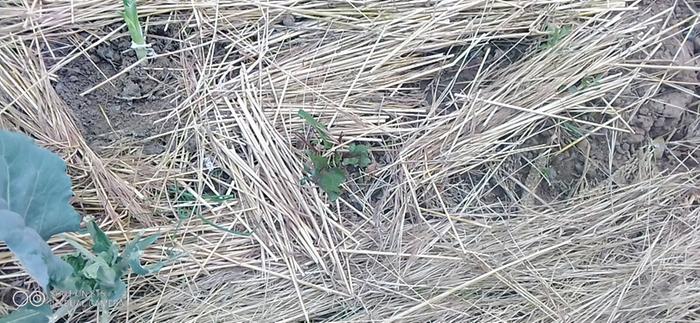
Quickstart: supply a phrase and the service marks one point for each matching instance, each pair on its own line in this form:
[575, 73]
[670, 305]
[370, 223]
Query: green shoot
[184, 212]
[571, 129]
[321, 130]
[138, 41]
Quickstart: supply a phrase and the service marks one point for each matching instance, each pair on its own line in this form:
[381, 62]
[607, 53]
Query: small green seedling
[320, 128]
[556, 35]
[329, 167]
[98, 273]
[35, 194]
[138, 41]
[184, 212]
[584, 83]
[571, 129]
[326, 174]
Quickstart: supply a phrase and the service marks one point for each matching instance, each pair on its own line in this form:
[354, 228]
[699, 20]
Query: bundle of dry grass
[497, 127]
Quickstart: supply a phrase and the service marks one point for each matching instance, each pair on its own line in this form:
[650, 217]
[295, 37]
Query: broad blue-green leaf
[32, 251]
[35, 195]
[34, 184]
[29, 314]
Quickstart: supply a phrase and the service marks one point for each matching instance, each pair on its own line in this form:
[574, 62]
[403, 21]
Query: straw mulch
[454, 222]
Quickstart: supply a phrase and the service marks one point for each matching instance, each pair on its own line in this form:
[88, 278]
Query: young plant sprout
[329, 171]
[138, 41]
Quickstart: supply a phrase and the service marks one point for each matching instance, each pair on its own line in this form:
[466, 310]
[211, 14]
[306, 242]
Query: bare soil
[127, 107]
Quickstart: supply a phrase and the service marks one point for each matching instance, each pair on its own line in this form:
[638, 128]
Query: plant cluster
[35, 194]
[329, 166]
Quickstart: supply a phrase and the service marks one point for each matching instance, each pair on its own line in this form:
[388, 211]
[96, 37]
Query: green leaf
[359, 149]
[102, 245]
[35, 195]
[144, 243]
[116, 293]
[556, 35]
[32, 251]
[77, 282]
[29, 314]
[101, 242]
[359, 156]
[330, 180]
[131, 256]
[320, 162]
[34, 184]
[352, 161]
[76, 261]
[319, 127]
[100, 271]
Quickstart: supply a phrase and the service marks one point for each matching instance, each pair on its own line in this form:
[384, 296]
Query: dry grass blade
[501, 188]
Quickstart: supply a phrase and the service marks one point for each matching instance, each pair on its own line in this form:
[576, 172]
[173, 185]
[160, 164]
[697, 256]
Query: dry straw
[421, 237]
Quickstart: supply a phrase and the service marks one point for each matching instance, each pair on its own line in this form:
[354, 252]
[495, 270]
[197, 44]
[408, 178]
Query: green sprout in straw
[138, 41]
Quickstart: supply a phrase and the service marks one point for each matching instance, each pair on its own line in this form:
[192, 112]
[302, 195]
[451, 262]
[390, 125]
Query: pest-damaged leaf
[35, 195]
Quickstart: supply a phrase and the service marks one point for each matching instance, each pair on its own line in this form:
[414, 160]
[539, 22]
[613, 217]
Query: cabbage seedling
[35, 194]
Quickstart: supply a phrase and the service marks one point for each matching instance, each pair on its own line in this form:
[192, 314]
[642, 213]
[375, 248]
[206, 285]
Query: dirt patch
[669, 114]
[661, 115]
[127, 107]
